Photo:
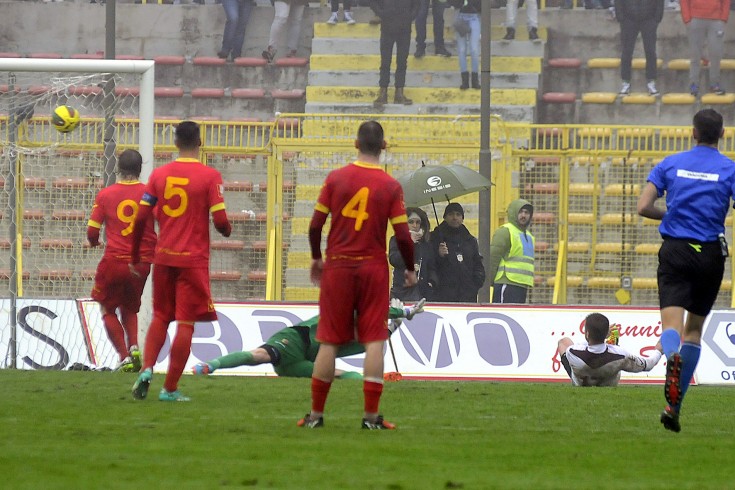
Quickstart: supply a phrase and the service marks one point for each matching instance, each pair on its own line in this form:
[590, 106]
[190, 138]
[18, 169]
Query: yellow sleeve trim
[399, 219]
[144, 203]
[321, 208]
[217, 207]
[94, 224]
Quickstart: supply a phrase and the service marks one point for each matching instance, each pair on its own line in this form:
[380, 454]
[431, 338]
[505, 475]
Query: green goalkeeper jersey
[345, 350]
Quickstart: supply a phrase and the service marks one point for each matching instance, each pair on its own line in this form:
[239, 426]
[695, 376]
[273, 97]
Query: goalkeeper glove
[412, 311]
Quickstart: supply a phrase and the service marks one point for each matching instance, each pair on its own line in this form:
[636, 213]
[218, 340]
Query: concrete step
[422, 95]
[507, 112]
[426, 79]
[371, 62]
[365, 31]
[339, 45]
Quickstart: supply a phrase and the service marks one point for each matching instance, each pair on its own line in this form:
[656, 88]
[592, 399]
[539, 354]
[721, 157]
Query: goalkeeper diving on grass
[292, 350]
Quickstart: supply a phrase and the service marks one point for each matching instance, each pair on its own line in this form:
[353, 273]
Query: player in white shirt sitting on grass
[599, 360]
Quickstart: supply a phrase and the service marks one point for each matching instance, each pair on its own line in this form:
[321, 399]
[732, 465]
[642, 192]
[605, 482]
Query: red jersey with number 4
[362, 199]
[185, 192]
[116, 206]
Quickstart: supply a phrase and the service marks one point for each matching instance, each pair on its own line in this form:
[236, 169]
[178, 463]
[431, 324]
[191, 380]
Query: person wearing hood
[423, 256]
[459, 263]
[511, 255]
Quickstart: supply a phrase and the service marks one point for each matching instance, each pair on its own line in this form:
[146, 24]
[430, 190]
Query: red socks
[319, 392]
[372, 392]
[180, 350]
[130, 325]
[154, 341]
[115, 333]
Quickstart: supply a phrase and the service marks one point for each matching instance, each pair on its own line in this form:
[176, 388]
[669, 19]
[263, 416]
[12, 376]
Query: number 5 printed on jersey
[174, 187]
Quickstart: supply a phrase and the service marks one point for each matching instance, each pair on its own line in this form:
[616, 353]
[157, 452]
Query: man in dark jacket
[459, 263]
[638, 16]
[395, 28]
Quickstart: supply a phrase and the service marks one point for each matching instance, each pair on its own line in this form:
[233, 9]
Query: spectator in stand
[237, 13]
[705, 21]
[512, 255]
[396, 17]
[638, 16]
[346, 9]
[459, 263]
[469, 12]
[437, 13]
[511, 10]
[115, 288]
[286, 21]
[424, 260]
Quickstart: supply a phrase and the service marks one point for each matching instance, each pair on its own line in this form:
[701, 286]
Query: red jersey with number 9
[185, 192]
[362, 200]
[116, 206]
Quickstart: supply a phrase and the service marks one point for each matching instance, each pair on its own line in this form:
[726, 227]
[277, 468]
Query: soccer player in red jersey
[114, 286]
[183, 193]
[353, 277]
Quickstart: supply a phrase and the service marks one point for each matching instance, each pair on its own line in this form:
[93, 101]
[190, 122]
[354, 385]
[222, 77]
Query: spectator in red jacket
[705, 21]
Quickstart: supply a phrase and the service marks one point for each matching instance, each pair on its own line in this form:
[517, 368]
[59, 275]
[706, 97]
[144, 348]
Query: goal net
[48, 182]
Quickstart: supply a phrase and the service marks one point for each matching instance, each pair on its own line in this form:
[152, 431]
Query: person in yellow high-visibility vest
[511, 255]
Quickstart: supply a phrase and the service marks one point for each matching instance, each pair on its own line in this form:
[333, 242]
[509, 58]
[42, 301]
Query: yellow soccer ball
[65, 118]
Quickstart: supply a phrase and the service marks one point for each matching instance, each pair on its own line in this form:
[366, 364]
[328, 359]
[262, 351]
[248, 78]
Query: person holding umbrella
[423, 256]
[511, 255]
[459, 263]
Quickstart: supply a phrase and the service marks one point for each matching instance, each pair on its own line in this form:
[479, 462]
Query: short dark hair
[370, 138]
[187, 136]
[130, 163]
[708, 123]
[597, 327]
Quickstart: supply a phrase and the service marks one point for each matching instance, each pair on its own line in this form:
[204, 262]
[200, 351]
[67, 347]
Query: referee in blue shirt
[698, 184]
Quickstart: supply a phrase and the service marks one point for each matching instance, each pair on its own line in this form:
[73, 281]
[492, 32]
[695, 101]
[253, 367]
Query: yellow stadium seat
[617, 218]
[640, 63]
[714, 99]
[611, 248]
[726, 285]
[575, 247]
[676, 132]
[581, 218]
[572, 281]
[599, 97]
[647, 248]
[603, 282]
[588, 132]
[645, 283]
[678, 99]
[603, 63]
[635, 133]
[651, 222]
[583, 189]
[639, 98]
[620, 189]
[678, 64]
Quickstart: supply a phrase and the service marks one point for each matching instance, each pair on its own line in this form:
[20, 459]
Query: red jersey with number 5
[115, 207]
[185, 192]
[362, 200]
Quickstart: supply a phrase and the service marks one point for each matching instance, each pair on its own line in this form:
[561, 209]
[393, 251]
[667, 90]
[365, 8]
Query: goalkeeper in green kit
[292, 350]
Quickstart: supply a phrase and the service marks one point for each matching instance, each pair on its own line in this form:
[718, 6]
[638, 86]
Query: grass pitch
[83, 430]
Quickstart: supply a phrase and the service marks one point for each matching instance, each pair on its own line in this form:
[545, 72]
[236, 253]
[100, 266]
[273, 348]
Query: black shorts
[687, 277]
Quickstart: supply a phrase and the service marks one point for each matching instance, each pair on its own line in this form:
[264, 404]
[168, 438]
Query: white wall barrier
[445, 342]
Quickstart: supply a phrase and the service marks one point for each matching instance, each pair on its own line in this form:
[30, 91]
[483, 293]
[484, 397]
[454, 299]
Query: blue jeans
[237, 13]
[437, 14]
[473, 39]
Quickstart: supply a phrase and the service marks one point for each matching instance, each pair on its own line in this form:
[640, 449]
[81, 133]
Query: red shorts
[182, 294]
[115, 287]
[360, 290]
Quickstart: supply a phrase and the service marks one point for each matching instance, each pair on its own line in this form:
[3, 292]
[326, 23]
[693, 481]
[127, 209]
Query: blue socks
[670, 342]
[689, 358]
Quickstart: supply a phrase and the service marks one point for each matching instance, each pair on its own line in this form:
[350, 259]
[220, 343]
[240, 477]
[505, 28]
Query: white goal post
[44, 217]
